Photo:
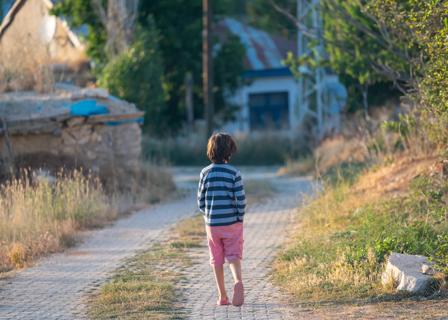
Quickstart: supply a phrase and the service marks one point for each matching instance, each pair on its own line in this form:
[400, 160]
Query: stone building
[31, 37]
[71, 127]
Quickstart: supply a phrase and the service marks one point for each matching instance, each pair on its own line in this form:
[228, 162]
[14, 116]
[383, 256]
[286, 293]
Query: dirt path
[266, 225]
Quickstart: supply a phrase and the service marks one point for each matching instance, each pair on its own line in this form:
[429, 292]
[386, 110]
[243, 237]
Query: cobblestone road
[265, 226]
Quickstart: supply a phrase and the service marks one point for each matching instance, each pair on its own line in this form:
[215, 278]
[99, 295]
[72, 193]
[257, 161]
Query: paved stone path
[57, 286]
[265, 226]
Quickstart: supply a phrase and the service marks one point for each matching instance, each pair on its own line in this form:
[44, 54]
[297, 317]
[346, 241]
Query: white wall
[264, 85]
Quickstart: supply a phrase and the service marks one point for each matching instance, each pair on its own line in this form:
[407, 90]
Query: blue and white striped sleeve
[240, 196]
[201, 194]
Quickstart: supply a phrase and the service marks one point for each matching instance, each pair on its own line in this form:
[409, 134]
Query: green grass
[346, 235]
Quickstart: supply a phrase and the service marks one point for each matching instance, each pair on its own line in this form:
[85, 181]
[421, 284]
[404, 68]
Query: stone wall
[113, 152]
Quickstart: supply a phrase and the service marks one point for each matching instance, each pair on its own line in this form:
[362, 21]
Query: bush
[265, 149]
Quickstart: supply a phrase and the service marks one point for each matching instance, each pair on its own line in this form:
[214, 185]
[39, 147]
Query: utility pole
[207, 65]
[189, 100]
[311, 84]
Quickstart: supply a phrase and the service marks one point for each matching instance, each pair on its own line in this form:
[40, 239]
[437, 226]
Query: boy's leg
[238, 288]
[219, 277]
[216, 250]
[235, 267]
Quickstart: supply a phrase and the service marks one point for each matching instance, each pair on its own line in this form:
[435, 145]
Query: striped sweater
[221, 195]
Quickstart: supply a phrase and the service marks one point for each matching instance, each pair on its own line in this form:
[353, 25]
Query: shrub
[265, 149]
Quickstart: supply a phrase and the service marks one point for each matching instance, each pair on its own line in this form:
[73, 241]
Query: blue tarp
[88, 107]
[120, 122]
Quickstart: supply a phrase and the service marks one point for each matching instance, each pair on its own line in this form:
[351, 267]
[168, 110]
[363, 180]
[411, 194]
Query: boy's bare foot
[223, 301]
[238, 294]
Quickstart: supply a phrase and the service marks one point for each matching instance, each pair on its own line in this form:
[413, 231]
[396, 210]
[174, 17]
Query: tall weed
[42, 215]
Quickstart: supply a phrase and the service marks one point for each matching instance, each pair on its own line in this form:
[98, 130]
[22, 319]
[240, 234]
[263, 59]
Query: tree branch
[100, 11]
[294, 20]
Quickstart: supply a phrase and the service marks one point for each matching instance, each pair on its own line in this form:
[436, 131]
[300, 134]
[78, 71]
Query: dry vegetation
[26, 69]
[144, 287]
[343, 237]
[40, 214]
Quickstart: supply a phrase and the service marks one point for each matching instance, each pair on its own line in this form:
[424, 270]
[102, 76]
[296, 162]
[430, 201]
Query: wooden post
[9, 158]
[207, 65]
[189, 100]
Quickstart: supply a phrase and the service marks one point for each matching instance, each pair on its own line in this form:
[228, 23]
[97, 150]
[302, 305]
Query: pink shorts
[225, 242]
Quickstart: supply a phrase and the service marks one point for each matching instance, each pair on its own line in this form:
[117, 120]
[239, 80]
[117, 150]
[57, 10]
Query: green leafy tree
[356, 49]
[180, 44]
[423, 27]
[137, 75]
[227, 80]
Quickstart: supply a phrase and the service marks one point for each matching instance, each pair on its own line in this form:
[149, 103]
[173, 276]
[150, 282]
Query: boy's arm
[240, 196]
[201, 194]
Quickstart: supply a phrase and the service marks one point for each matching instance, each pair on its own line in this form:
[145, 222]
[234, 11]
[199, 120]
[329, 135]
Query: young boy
[222, 200]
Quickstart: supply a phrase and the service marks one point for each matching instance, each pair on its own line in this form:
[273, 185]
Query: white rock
[406, 271]
[427, 269]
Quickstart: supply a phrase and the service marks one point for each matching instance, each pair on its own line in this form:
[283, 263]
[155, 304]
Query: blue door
[269, 110]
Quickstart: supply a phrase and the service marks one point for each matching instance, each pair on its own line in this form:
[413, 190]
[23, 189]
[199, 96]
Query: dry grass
[26, 69]
[154, 183]
[339, 149]
[299, 167]
[41, 216]
[144, 288]
[343, 236]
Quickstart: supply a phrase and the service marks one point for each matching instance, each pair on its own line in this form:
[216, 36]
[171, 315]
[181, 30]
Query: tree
[136, 75]
[354, 45]
[399, 41]
[119, 19]
[179, 43]
[358, 51]
[423, 27]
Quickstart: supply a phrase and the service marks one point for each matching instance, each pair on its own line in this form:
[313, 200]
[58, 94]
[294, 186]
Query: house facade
[269, 96]
[29, 31]
[267, 99]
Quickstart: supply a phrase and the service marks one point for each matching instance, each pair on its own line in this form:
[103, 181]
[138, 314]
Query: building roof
[264, 51]
[31, 112]
[10, 8]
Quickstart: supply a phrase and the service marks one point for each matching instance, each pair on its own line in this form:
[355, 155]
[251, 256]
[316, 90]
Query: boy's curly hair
[220, 147]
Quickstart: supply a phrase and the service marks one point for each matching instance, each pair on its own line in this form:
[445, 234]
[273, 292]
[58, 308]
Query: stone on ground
[406, 272]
